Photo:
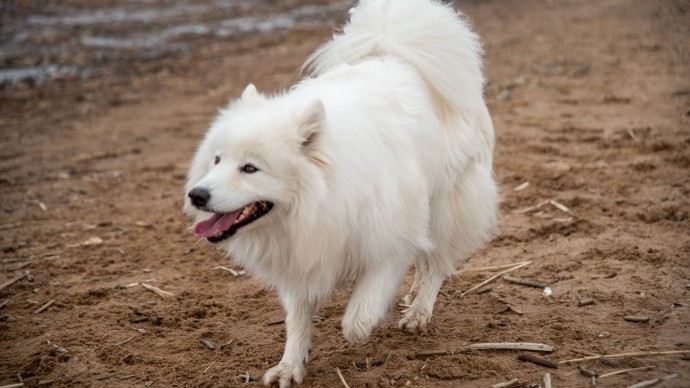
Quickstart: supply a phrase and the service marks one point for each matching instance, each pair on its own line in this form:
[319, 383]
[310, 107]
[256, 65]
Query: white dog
[379, 161]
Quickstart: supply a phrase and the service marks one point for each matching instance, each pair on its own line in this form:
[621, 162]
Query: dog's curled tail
[426, 34]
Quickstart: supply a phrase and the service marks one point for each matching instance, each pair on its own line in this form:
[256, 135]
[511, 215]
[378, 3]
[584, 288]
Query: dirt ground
[591, 104]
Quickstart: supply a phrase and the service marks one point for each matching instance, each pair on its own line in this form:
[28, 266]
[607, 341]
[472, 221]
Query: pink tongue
[218, 223]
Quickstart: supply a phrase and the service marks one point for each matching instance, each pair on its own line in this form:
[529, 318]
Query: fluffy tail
[426, 34]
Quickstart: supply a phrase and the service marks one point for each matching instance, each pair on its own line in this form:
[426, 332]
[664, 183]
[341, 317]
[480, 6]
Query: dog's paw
[356, 330]
[284, 374]
[416, 320]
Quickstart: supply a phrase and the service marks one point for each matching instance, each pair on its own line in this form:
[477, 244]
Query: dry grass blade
[13, 280]
[620, 372]
[232, 271]
[521, 187]
[490, 268]
[44, 307]
[124, 341]
[489, 280]
[342, 379]
[161, 293]
[563, 208]
[532, 209]
[620, 355]
[207, 368]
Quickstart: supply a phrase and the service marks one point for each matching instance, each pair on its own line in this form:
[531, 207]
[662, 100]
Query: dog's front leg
[292, 366]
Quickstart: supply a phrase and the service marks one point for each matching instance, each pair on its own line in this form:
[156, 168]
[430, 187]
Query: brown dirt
[591, 103]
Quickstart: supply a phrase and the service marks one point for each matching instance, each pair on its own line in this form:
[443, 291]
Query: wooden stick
[563, 208]
[489, 280]
[638, 319]
[507, 384]
[620, 372]
[342, 379]
[547, 380]
[161, 293]
[538, 360]
[649, 383]
[44, 307]
[4, 303]
[585, 302]
[524, 282]
[207, 343]
[620, 355]
[511, 346]
[487, 346]
[587, 372]
[12, 281]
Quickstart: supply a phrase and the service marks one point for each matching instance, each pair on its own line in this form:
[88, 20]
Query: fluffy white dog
[379, 161]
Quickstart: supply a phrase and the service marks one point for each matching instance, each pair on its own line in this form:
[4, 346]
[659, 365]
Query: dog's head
[254, 164]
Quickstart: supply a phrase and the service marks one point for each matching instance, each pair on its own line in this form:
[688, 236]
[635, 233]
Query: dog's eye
[217, 160]
[249, 168]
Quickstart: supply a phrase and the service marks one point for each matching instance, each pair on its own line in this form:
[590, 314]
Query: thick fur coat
[380, 160]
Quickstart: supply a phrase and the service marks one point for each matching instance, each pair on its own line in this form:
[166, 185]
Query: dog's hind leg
[292, 367]
[428, 279]
[372, 296]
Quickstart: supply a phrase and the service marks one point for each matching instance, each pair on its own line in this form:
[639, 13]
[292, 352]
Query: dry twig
[649, 383]
[209, 366]
[507, 384]
[487, 346]
[637, 319]
[489, 280]
[563, 208]
[232, 271]
[124, 341]
[524, 282]
[547, 380]
[161, 293]
[44, 307]
[13, 280]
[620, 355]
[538, 360]
[620, 372]
[342, 379]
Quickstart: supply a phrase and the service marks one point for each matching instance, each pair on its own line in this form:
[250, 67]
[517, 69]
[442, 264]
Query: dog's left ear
[311, 128]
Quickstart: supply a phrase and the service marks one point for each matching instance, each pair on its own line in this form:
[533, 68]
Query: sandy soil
[591, 103]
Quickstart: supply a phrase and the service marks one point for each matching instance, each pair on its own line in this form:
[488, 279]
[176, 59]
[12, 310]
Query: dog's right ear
[250, 93]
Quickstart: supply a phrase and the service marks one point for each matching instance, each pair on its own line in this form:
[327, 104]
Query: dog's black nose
[199, 196]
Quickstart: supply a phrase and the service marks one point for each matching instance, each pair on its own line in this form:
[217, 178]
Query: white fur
[380, 161]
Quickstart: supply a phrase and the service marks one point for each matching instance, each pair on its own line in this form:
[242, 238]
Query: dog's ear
[311, 128]
[311, 125]
[250, 93]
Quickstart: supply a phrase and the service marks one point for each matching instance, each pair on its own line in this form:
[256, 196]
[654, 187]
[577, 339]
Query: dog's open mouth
[223, 225]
